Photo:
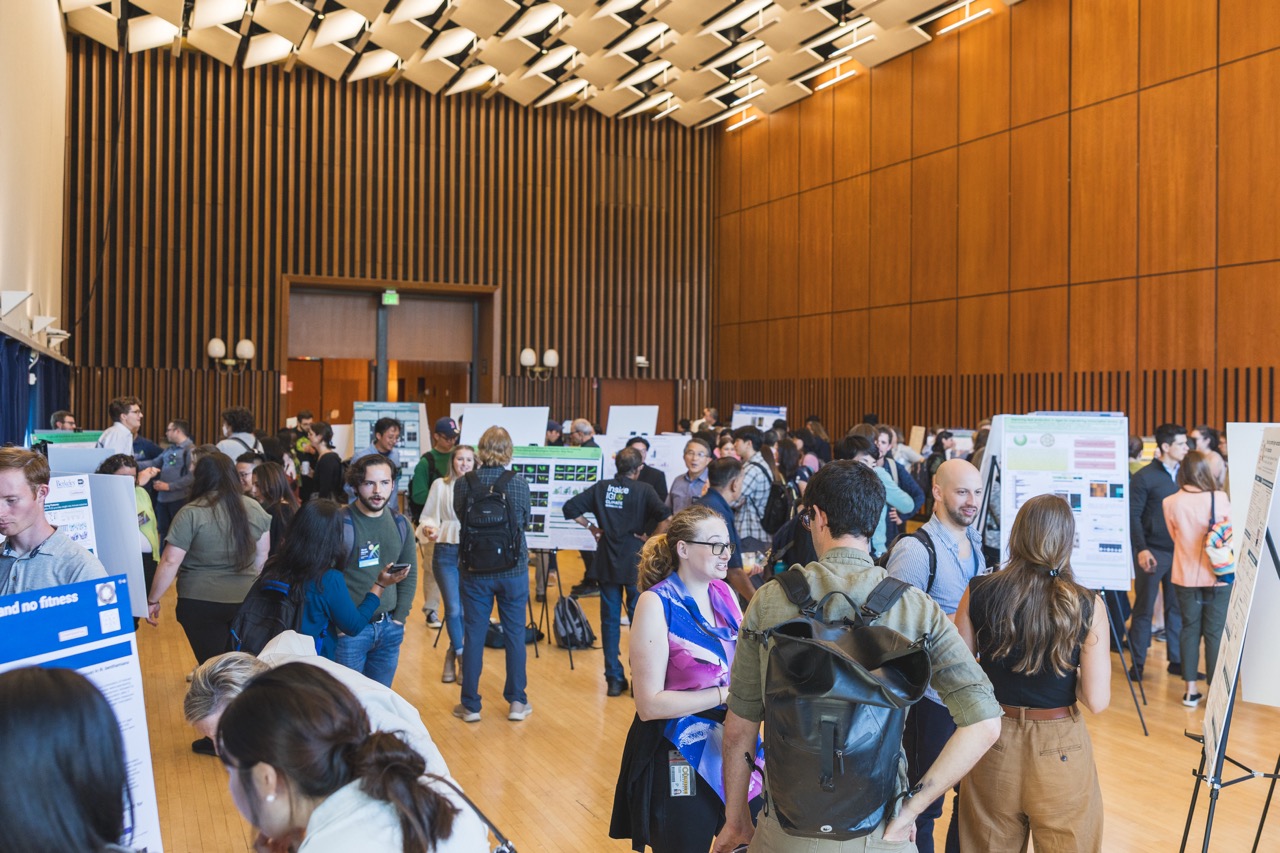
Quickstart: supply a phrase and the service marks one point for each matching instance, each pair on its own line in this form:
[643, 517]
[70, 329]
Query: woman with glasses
[682, 644]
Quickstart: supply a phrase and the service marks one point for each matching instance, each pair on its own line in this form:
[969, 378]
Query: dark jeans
[1204, 613]
[611, 624]
[1145, 587]
[1118, 610]
[478, 595]
[207, 625]
[164, 516]
[929, 727]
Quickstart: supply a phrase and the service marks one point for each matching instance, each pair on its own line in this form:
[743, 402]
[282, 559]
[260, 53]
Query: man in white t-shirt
[126, 420]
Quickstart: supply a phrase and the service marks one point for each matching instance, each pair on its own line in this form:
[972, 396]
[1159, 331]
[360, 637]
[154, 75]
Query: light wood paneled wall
[193, 189]
[1070, 204]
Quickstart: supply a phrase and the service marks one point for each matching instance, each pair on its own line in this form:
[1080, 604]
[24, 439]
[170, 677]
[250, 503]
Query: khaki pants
[1039, 780]
[770, 838]
[427, 578]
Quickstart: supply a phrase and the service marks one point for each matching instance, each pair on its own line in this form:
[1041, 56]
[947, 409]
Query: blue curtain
[52, 391]
[15, 391]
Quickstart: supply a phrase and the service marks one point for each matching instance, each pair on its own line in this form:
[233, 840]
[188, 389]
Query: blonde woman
[440, 525]
[1042, 640]
[683, 639]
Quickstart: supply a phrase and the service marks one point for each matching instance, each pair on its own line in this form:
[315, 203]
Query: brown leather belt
[1037, 715]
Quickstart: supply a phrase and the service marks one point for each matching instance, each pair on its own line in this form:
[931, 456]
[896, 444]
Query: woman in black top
[1041, 639]
[326, 480]
[276, 496]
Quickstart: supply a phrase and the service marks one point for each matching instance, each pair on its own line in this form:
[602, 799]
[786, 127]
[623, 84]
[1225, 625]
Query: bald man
[956, 560]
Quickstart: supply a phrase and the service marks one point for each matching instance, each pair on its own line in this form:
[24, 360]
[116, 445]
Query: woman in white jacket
[440, 525]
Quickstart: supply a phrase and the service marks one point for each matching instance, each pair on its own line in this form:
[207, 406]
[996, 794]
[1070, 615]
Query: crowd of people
[318, 745]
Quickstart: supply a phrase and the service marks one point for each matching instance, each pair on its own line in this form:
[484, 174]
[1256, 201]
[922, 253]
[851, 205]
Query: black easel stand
[545, 619]
[1124, 665]
[1215, 783]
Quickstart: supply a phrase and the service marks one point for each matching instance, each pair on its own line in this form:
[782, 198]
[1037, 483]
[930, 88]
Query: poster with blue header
[88, 627]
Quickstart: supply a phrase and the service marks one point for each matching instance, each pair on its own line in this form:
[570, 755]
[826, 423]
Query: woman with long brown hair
[1202, 594]
[275, 493]
[1042, 640]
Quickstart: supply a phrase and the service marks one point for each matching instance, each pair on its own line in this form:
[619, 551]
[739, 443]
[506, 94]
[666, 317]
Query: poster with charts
[556, 474]
[68, 508]
[88, 627]
[1252, 554]
[1084, 460]
[760, 417]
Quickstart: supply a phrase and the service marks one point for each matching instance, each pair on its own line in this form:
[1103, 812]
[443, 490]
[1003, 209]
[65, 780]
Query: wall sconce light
[529, 361]
[245, 351]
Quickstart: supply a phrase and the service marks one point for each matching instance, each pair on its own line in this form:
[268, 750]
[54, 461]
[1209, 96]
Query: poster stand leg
[535, 631]
[545, 619]
[1215, 782]
[1124, 667]
[1266, 807]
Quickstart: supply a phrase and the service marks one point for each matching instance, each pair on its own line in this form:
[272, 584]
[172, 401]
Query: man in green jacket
[433, 466]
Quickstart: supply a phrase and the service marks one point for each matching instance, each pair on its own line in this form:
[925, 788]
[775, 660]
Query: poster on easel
[410, 447]
[68, 507]
[556, 474]
[631, 420]
[666, 453]
[760, 417]
[1254, 560]
[1083, 459]
[88, 627]
[527, 425]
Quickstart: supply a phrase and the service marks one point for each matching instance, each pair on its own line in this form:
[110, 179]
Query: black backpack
[836, 696]
[780, 507]
[495, 637]
[570, 626]
[925, 539]
[270, 608]
[490, 540]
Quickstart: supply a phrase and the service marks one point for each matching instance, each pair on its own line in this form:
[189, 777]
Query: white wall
[33, 108]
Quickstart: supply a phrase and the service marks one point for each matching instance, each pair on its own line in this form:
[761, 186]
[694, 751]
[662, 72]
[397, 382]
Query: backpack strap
[348, 535]
[797, 589]
[927, 541]
[500, 485]
[402, 525]
[884, 596]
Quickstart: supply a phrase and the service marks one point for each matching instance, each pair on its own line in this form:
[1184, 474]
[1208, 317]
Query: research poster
[88, 627]
[68, 508]
[761, 417]
[527, 425]
[1252, 553]
[556, 474]
[666, 453]
[632, 420]
[413, 442]
[1083, 460]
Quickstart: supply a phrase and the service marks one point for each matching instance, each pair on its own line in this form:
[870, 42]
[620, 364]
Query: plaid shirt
[518, 502]
[749, 510]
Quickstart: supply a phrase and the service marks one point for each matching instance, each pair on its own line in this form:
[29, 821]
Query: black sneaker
[540, 597]
[616, 686]
[204, 746]
[1135, 673]
[1191, 699]
[585, 589]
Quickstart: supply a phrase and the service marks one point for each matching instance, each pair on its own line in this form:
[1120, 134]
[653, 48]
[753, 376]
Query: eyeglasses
[806, 517]
[718, 549]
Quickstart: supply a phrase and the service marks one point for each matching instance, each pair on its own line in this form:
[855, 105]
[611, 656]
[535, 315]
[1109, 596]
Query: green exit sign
[390, 297]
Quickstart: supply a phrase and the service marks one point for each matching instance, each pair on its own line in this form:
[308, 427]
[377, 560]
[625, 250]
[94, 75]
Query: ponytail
[390, 770]
[657, 561]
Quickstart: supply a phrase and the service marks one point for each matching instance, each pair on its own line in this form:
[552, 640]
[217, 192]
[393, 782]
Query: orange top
[1186, 512]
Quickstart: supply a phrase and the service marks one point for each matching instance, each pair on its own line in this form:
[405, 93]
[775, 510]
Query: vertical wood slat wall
[596, 230]
[1067, 205]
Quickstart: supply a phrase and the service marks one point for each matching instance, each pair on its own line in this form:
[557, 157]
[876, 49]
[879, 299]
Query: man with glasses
[692, 484]
[624, 508]
[126, 420]
[1153, 550]
[724, 487]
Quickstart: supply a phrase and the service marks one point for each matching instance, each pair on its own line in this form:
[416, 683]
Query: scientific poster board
[412, 441]
[1259, 678]
[77, 458]
[632, 420]
[344, 440]
[68, 508]
[760, 417]
[556, 474]
[1252, 554]
[457, 410]
[666, 453]
[1083, 459]
[963, 443]
[526, 424]
[88, 627]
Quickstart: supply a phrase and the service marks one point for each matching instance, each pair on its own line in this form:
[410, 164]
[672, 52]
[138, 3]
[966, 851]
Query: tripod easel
[545, 618]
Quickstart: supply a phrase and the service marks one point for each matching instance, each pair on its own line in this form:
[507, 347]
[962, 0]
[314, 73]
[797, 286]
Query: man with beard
[955, 559]
[379, 537]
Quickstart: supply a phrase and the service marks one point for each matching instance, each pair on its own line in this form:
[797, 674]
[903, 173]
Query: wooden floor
[548, 782]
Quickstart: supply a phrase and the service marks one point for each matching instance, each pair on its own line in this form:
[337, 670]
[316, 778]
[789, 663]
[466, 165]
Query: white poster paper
[88, 627]
[1251, 554]
[760, 417]
[1084, 460]
[632, 420]
[527, 425]
[556, 474]
[457, 410]
[344, 440]
[412, 443]
[666, 453]
[916, 440]
[67, 508]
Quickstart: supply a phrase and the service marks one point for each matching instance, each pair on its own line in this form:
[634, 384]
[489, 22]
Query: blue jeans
[375, 651]
[444, 565]
[611, 624]
[478, 595]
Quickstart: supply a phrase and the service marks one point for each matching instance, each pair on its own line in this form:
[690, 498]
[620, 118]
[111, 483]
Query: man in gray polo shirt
[34, 555]
[957, 497]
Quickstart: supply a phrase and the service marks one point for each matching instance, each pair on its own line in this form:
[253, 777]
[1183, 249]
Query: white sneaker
[461, 712]
[519, 711]
[433, 619]
[623, 618]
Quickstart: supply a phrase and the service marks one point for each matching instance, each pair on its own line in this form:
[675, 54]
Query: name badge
[684, 781]
[370, 555]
